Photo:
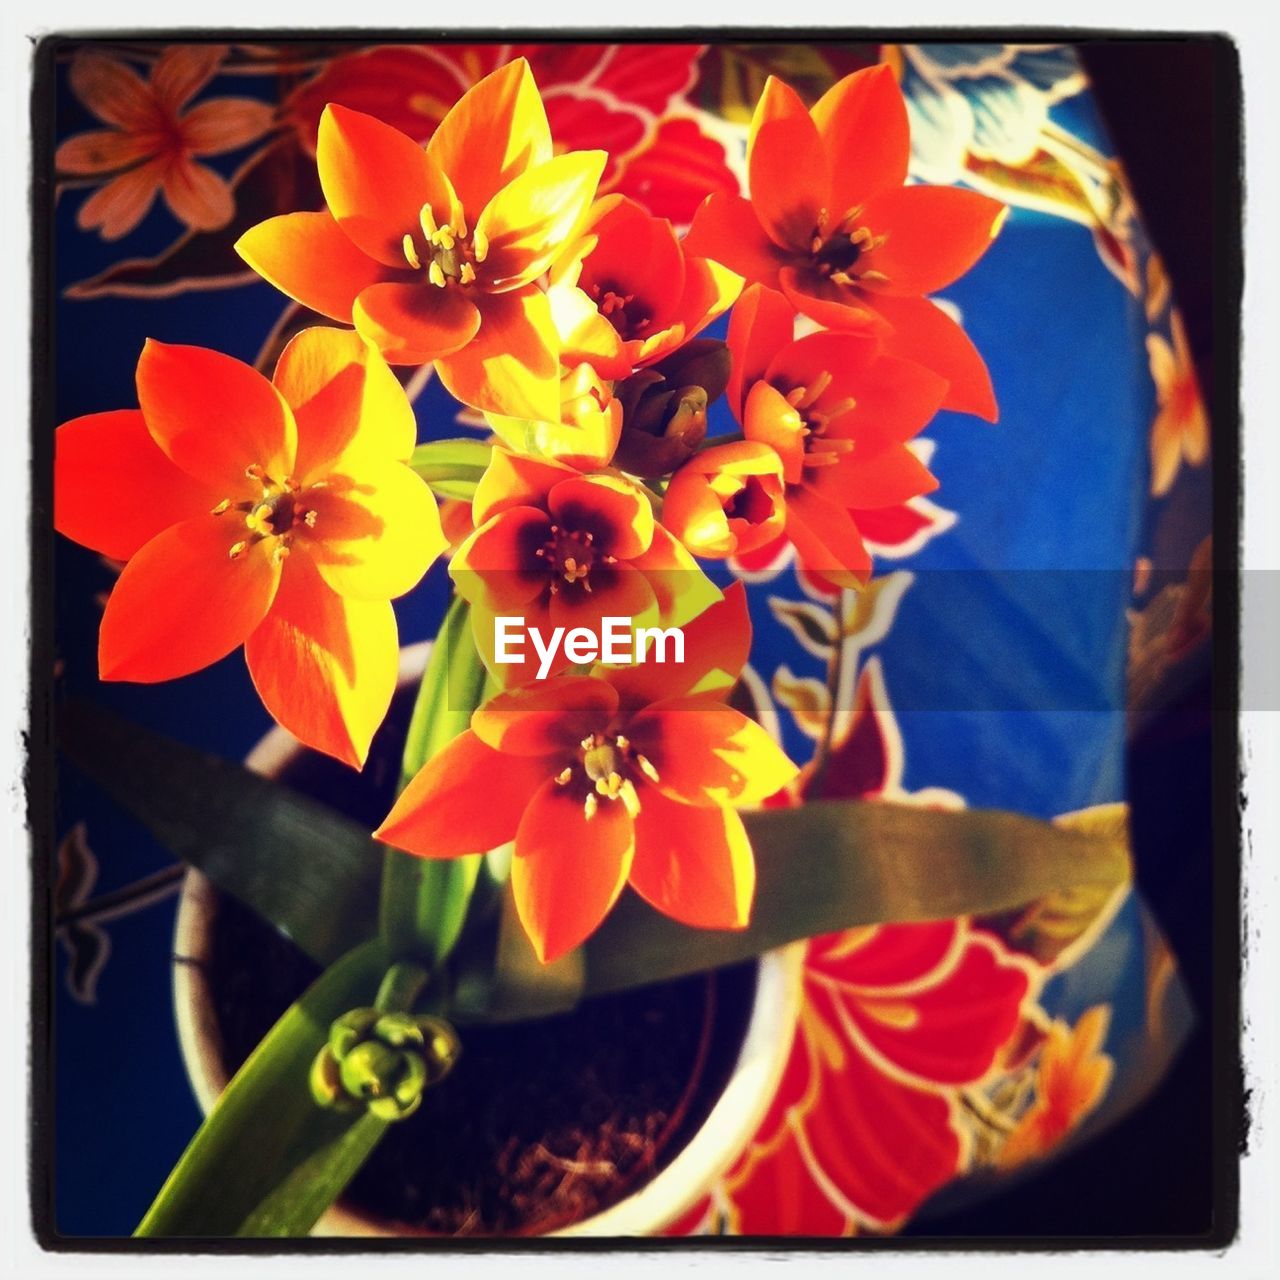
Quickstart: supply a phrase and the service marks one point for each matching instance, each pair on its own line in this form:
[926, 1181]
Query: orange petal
[546, 719]
[215, 416]
[716, 644]
[325, 666]
[787, 168]
[568, 870]
[417, 322]
[926, 334]
[836, 306]
[346, 402]
[223, 124]
[693, 863]
[515, 480]
[376, 533]
[727, 230]
[114, 210]
[882, 479]
[681, 588]
[376, 180]
[182, 70]
[467, 798]
[706, 753]
[113, 487]
[113, 92]
[492, 134]
[102, 151]
[863, 123]
[307, 256]
[934, 235]
[771, 419]
[198, 197]
[826, 537]
[497, 567]
[527, 223]
[512, 365]
[726, 498]
[610, 508]
[762, 324]
[182, 602]
[617, 591]
[585, 335]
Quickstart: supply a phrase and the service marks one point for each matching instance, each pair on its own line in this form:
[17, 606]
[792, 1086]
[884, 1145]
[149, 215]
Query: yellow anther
[279, 553]
[435, 274]
[237, 549]
[460, 229]
[467, 274]
[427, 221]
[591, 740]
[621, 742]
[645, 766]
[589, 806]
[259, 519]
[444, 237]
[255, 472]
[564, 775]
[630, 801]
[411, 252]
[480, 245]
[224, 505]
[310, 519]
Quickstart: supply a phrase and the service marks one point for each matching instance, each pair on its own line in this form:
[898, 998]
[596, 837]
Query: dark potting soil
[540, 1124]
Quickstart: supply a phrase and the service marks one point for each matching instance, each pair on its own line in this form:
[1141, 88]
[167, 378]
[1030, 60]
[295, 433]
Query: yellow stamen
[630, 801]
[589, 806]
[564, 775]
[427, 221]
[444, 237]
[411, 253]
[646, 767]
[238, 549]
[280, 552]
[467, 274]
[435, 274]
[224, 505]
[480, 245]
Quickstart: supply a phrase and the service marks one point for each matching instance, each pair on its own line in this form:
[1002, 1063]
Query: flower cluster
[282, 514]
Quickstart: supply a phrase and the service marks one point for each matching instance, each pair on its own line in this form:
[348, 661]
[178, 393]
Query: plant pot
[718, 1045]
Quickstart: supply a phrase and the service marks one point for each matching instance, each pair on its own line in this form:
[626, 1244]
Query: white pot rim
[730, 1125]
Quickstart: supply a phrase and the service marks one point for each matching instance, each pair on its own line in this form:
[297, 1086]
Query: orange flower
[726, 499]
[603, 780]
[1181, 428]
[560, 548]
[628, 295]
[587, 431]
[274, 514]
[152, 144]
[832, 226]
[1071, 1078]
[433, 254]
[838, 413]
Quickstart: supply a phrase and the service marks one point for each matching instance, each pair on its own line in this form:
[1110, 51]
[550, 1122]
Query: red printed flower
[153, 141]
[839, 414]
[831, 225]
[604, 780]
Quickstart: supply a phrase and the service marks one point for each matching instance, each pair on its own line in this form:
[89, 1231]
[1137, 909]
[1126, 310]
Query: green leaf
[268, 1161]
[833, 865]
[303, 867]
[424, 901]
[452, 467]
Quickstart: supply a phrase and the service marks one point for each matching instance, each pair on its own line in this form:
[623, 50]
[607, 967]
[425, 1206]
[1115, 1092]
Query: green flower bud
[382, 1061]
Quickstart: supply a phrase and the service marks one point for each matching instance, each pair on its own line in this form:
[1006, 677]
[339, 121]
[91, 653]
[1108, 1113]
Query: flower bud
[665, 407]
[727, 499]
[382, 1061]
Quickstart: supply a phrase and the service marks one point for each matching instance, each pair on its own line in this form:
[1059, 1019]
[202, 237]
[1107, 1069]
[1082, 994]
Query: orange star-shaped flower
[604, 781]
[433, 252]
[275, 514]
[838, 412]
[831, 225]
[562, 549]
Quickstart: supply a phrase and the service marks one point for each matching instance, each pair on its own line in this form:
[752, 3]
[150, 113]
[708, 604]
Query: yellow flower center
[838, 250]
[820, 450]
[620, 310]
[280, 512]
[605, 770]
[446, 251]
[569, 555]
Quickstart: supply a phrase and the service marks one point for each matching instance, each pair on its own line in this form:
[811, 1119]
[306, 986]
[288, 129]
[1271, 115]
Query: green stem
[402, 984]
[424, 901]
